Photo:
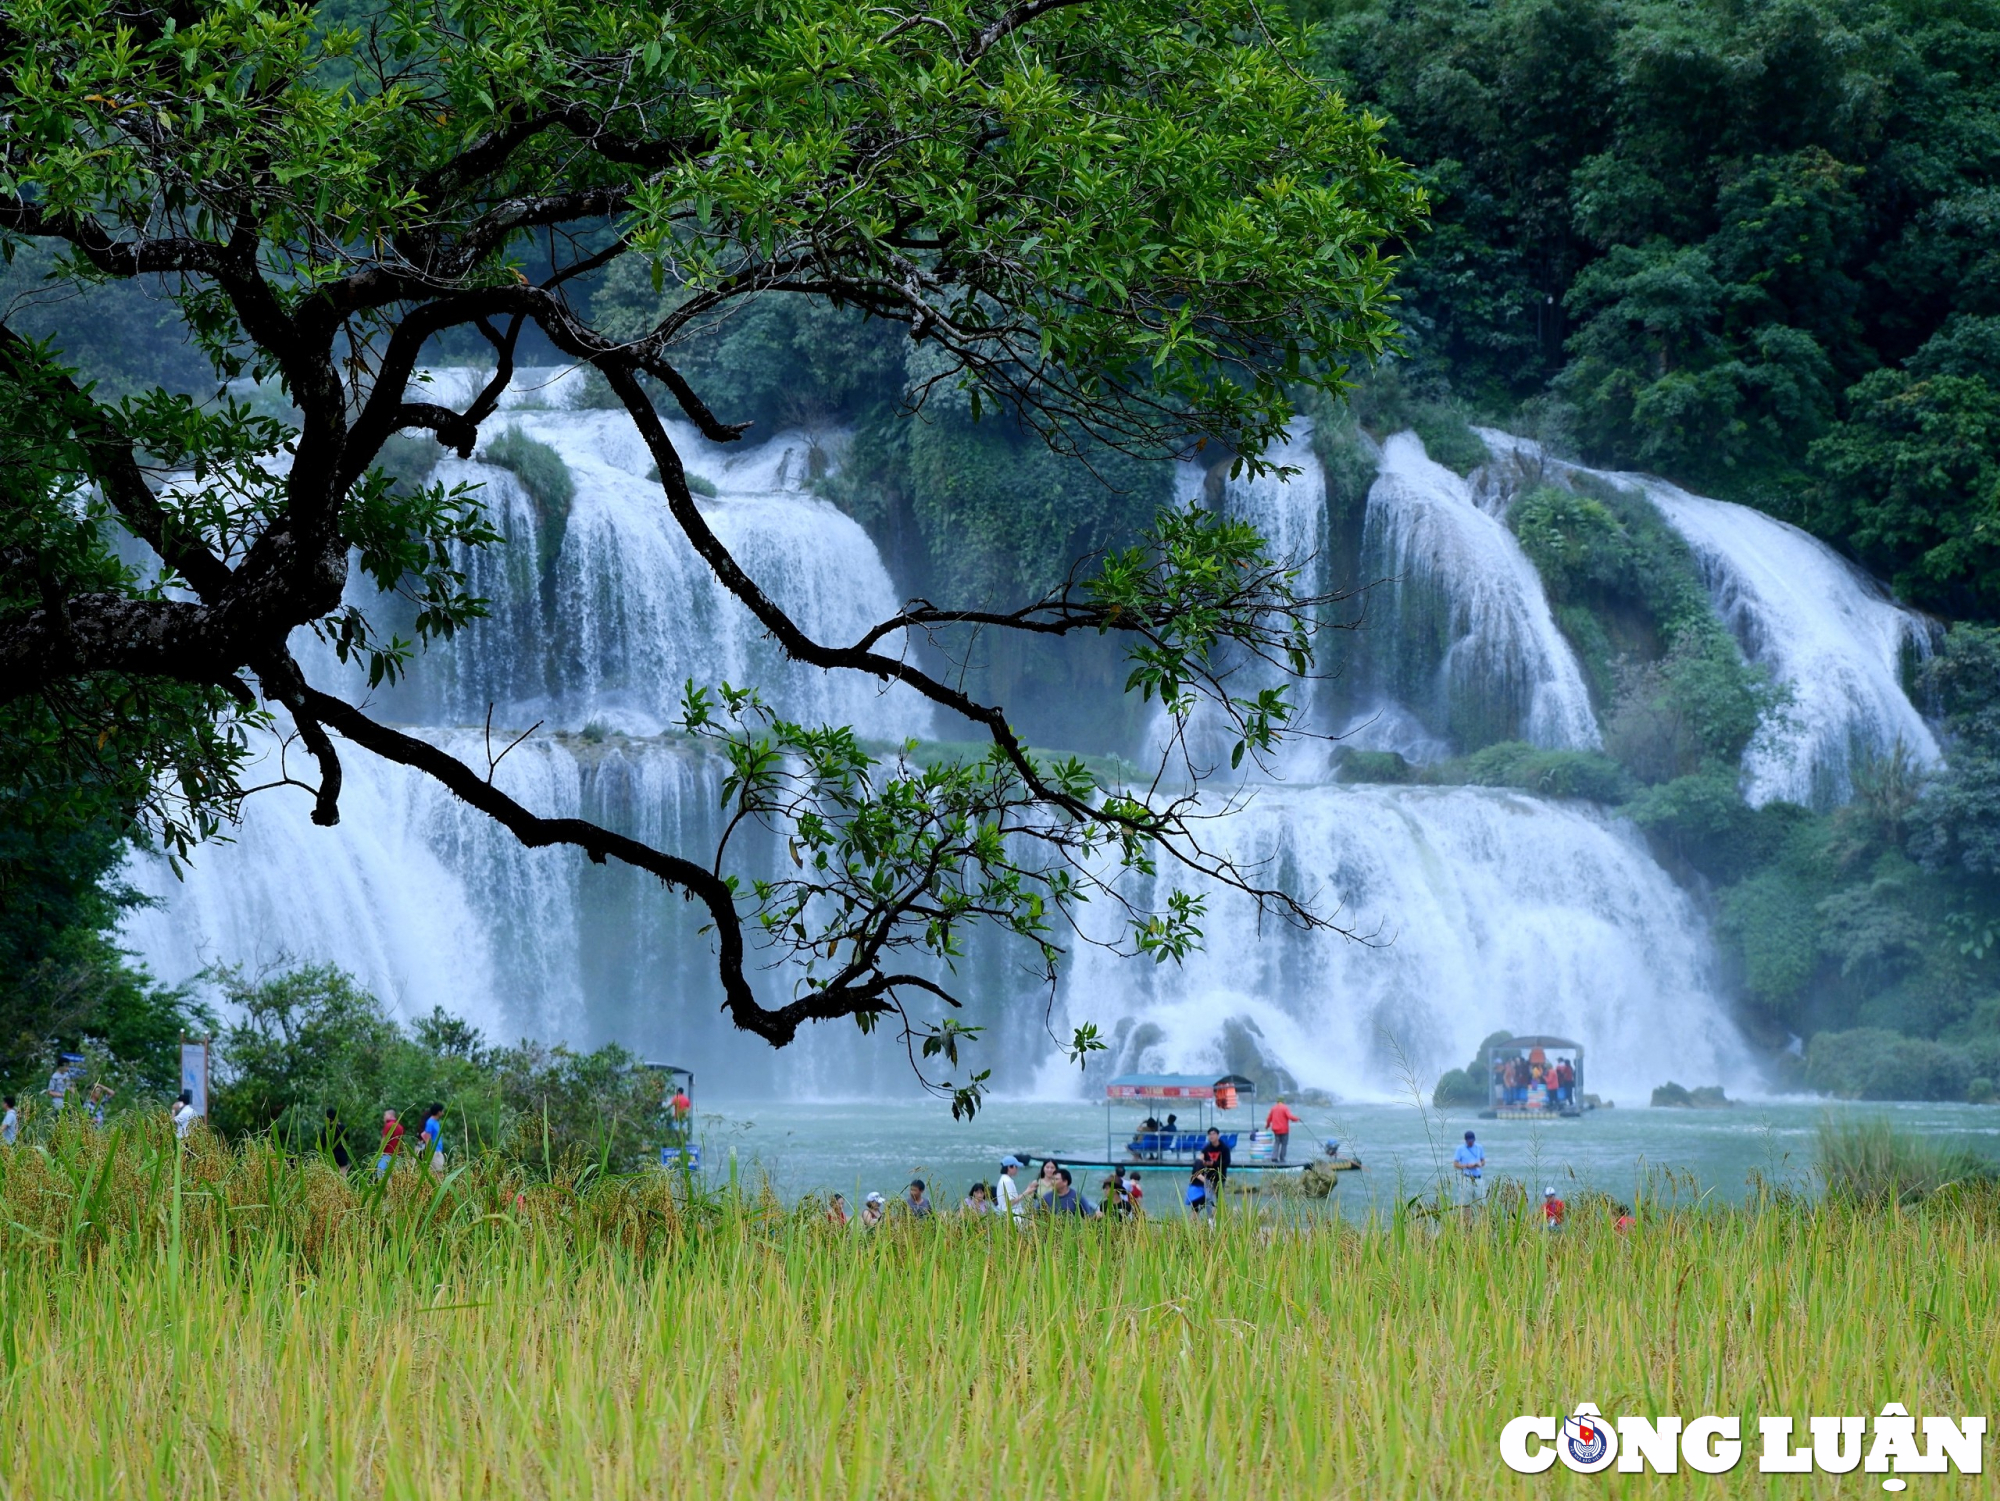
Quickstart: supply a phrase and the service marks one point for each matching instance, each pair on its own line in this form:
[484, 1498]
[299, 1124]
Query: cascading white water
[1828, 632]
[1287, 506]
[1505, 910]
[1831, 635]
[379, 895]
[1462, 633]
[1477, 910]
[611, 629]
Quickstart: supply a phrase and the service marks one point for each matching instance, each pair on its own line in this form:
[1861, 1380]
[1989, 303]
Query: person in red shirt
[392, 1138]
[1553, 1209]
[1279, 1124]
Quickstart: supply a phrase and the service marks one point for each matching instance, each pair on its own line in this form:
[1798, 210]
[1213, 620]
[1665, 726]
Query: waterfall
[1832, 636]
[1485, 909]
[1287, 506]
[1462, 634]
[1476, 910]
[606, 632]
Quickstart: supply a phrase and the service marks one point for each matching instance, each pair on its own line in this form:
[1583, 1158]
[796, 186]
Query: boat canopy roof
[671, 1068]
[1172, 1086]
[1537, 1042]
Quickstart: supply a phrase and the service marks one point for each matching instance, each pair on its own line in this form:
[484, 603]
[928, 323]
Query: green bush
[1773, 919]
[1872, 1063]
[1628, 594]
[409, 460]
[1579, 545]
[1458, 1089]
[1552, 773]
[546, 478]
[312, 1038]
[1345, 458]
[1385, 402]
[1957, 825]
[1448, 438]
[64, 981]
[1003, 516]
[1373, 766]
[698, 484]
[1467, 1087]
[1703, 820]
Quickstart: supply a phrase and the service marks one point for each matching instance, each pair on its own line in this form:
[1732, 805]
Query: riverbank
[274, 1329]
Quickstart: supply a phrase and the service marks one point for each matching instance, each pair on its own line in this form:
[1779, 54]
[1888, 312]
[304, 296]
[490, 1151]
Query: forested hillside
[1753, 247]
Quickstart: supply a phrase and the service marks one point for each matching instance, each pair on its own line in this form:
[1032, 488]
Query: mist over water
[1472, 909]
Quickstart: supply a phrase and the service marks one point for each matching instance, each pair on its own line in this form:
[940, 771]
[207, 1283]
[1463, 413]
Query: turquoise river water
[855, 1147]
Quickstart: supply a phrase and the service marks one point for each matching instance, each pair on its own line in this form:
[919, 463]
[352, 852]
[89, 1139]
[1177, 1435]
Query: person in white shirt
[1009, 1197]
[10, 1123]
[184, 1116]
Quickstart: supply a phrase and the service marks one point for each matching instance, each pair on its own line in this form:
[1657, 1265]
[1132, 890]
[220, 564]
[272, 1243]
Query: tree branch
[777, 1025]
[1011, 21]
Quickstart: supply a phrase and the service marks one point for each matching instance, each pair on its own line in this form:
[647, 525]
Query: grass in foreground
[270, 1329]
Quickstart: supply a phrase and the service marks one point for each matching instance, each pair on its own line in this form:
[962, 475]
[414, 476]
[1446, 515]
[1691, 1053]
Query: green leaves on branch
[1204, 596]
[894, 863]
[411, 543]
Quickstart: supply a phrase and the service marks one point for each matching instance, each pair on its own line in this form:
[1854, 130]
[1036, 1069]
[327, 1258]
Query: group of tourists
[430, 1140]
[63, 1082]
[1052, 1193]
[1156, 1137]
[1534, 1081]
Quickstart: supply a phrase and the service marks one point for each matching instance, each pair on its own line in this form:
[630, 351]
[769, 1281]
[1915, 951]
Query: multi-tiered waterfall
[1470, 909]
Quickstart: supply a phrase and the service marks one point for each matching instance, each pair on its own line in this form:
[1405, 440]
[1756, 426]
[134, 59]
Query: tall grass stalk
[1867, 1161]
[266, 1327]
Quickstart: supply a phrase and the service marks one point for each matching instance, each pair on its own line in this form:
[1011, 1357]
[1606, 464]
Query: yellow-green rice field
[225, 1322]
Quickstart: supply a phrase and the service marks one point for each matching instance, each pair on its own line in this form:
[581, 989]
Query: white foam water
[1465, 608]
[1475, 910]
[1502, 910]
[1836, 640]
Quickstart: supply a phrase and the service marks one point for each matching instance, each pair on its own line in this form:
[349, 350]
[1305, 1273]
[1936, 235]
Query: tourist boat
[1522, 1075]
[680, 1149]
[1227, 1102]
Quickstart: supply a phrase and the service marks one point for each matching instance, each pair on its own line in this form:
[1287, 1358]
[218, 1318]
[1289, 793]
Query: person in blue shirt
[433, 1138]
[1469, 1162]
[1200, 1203]
[1066, 1200]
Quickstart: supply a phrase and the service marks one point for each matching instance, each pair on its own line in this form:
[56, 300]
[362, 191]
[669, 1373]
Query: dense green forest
[1752, 247]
